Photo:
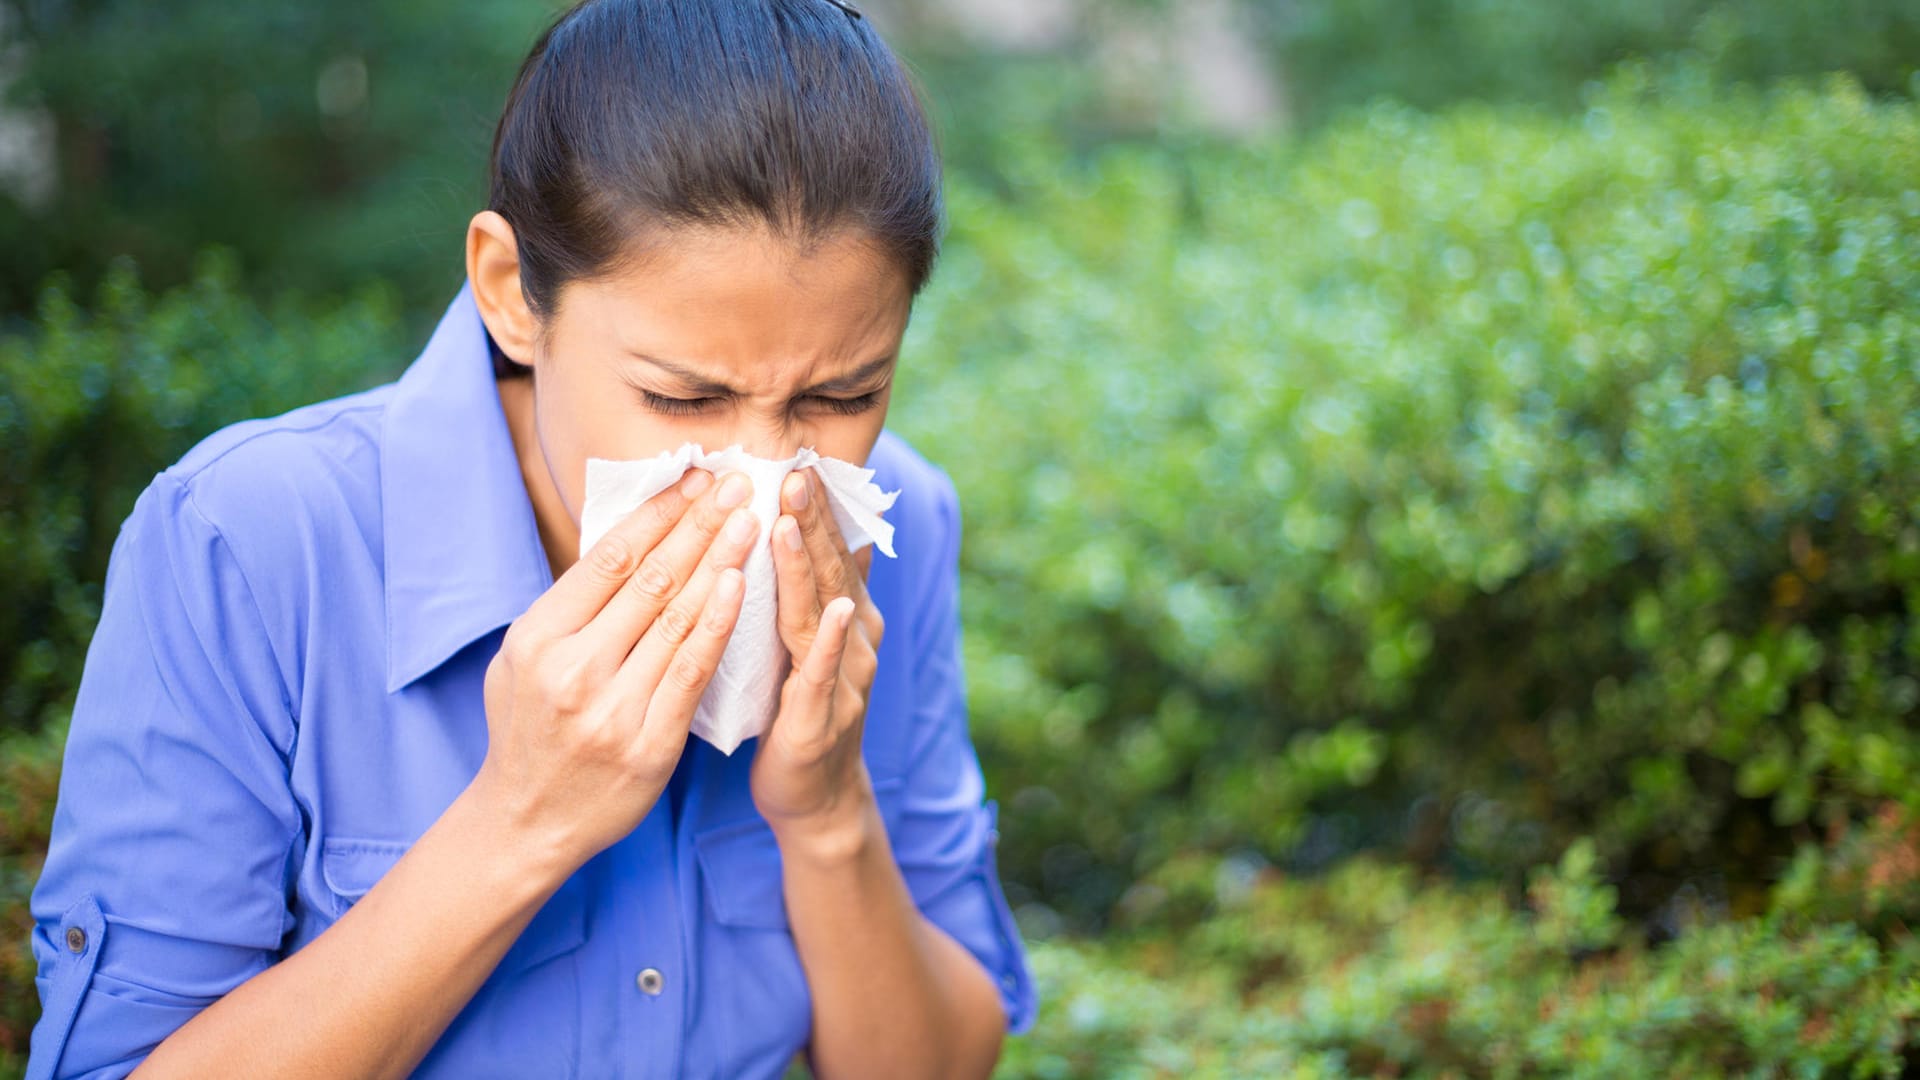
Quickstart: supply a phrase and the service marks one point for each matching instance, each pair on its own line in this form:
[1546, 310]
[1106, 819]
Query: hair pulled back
[631, 118]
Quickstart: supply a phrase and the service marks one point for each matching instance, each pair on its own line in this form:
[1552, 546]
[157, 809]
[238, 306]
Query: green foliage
[93, 403]
[1562, 470]
[1866, 874]
[324, 143]
[331, 143]
[1340, 54]
[1370, 971]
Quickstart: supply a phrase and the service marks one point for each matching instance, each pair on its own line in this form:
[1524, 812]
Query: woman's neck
[559, 533]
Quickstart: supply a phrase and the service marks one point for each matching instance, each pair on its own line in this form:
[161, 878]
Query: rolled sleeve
[175, 831]
[946, 837]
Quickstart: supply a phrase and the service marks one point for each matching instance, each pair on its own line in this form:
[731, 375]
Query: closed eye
[673, 406]
[852, 406]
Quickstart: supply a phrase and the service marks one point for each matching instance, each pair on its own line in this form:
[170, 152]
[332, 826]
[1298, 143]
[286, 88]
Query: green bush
[93, 403]
[326, 144]
[331, 143]
[1340, 54]
[1372, 971]
[1464, 483]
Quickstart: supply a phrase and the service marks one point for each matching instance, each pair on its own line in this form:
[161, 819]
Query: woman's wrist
[530, 856]
[838, 836]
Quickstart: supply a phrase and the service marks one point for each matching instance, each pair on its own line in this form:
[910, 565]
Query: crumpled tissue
[741, 700]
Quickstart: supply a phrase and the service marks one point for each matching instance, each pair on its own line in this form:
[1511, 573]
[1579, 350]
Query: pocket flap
[740, 868]
[351, 866]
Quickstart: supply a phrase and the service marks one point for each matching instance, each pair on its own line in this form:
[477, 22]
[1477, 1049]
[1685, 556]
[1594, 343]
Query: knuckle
[654, 756]
[613, 558]
[719, 621]
[652, 581]
[686, 675]
[675, 623]
[798, 617]
[821, 684]
[662, 513]
[711, 518]
[517, 645]
[567, 685]
[597, 739]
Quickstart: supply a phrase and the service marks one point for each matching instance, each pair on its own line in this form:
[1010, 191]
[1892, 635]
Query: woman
[369, 775]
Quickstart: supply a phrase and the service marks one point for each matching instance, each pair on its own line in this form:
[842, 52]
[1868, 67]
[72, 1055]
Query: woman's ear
[493, 267]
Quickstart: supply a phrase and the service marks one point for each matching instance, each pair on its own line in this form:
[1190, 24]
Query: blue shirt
[284, 690]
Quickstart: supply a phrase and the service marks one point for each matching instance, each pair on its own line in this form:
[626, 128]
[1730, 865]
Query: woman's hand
[591, 695]
[808, 772]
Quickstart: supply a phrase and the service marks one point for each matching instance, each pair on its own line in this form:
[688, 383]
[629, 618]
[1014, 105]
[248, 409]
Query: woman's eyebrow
[698, 383]
[855, 379]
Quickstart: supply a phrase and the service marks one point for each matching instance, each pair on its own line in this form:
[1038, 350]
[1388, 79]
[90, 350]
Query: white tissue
[741, 700]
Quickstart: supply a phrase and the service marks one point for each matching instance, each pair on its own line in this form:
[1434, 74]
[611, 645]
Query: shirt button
[651, 981]
[76, 939]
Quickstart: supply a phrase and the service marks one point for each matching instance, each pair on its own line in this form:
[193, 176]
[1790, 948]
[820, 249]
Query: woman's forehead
[738, 305]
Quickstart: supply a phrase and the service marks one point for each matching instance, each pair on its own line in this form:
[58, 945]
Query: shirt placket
[656, 985]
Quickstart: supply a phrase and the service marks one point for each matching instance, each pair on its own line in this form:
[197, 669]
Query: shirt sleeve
[175, 831]
[946, 838]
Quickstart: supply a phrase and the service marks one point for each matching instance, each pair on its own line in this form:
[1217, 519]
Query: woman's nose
[766, 437]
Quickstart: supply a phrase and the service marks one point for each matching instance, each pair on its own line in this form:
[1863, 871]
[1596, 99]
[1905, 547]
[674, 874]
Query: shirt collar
[463, 551]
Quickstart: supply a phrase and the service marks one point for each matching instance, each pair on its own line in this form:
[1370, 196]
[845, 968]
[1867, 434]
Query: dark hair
[632, 117]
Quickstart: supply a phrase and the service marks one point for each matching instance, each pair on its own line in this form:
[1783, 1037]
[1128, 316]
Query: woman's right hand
[591, 695]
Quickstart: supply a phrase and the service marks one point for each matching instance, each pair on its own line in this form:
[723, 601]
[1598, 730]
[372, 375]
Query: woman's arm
[370, 995]
[896, 992]
[894, 995]
[591, 692]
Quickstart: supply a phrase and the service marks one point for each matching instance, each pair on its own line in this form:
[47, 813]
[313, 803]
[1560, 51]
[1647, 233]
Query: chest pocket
[748, 966]
[350, 867]
[740, 871]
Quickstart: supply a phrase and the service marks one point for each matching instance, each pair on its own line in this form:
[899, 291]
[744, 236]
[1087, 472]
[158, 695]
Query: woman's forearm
[371, 994]
[893, 994]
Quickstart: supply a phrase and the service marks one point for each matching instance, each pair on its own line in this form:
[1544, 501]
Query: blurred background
[1440, 479]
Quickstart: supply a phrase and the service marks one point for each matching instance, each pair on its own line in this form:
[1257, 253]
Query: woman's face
[722, 336]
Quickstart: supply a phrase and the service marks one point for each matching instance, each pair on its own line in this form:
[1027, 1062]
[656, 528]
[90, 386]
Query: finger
[676, 622]
[817, 527]
[585, 587]
[861, 661]
[807, 713]
[837, 572]
[797, 595]
[673, 694]
[665, 570]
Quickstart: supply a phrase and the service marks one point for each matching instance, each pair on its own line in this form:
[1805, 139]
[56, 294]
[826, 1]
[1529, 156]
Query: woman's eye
[848, 406]
[674, 406]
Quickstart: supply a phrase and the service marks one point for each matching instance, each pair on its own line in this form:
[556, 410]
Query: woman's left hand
[808, 772]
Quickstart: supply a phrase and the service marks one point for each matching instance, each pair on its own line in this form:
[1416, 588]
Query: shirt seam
[293, 836]
[253, 601]
[185, 476]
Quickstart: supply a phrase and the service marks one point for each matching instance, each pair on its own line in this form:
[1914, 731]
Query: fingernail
[797, 491]
[733, 491]
[740, 526]
[697, 481]
[790, 535]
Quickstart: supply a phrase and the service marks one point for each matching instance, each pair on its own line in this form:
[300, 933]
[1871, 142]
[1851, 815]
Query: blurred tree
[323, 143]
